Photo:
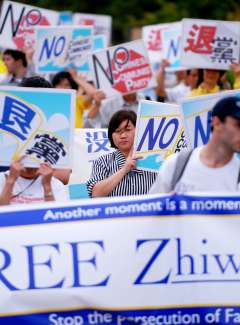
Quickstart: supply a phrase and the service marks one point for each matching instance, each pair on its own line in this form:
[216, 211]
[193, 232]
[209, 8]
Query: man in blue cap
[213, 167]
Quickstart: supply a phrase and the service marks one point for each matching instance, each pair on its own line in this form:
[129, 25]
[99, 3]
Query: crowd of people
[213, 167]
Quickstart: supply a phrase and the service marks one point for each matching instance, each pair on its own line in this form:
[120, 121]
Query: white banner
[157, 260]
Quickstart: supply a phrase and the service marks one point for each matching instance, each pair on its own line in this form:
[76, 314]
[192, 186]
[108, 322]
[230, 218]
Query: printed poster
[196, 113]
[159, 133]
[62, 47]
[102, 24]
[210, 44]
[17, 23]
[123, 69]
[38, 123]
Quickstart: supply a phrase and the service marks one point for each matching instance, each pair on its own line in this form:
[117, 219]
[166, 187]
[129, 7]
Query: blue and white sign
[171, 38]
[102, 24]
[159, 133]
[196, 114]
[62, 47]
[37, 122]
[157, 260]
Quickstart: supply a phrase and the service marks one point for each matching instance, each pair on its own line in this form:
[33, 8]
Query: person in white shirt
[213, 167]
[30, 185]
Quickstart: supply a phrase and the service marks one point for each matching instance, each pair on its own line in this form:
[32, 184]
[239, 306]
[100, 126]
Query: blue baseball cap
[228, 106]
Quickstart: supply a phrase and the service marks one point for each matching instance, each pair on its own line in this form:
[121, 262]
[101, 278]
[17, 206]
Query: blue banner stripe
[175, 205]
[190, 315]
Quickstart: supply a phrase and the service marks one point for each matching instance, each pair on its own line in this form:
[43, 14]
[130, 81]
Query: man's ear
[216, 122]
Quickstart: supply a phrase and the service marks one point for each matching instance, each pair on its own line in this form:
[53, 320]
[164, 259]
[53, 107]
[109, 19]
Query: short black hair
[58, 77]
[117, 119]
[17, 55]
[35, 82]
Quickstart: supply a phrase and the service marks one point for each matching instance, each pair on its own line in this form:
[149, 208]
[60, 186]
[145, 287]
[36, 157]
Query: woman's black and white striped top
[134, 183]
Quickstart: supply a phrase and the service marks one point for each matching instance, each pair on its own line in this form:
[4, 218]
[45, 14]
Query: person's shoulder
[107, 157]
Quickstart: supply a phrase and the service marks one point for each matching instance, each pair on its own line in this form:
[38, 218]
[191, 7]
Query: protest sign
[171, 39]
[37, 122]
[159, 133]
[161, 45]
[62, 47]
[210, 44]
[17, 23]
[123, 69]
[88, 145]
[196, 114]
[121, 261]
[153, 39]
[102, 24]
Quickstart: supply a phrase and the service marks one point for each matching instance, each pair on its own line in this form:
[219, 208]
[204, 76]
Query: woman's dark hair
[58, 77]
[35, 82]
[117, 119]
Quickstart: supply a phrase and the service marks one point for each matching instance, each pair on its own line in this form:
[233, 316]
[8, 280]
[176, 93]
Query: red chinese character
[155, 40]
[202, 37]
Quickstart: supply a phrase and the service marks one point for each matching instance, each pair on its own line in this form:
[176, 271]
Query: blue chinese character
[97, 141]
[16, 118]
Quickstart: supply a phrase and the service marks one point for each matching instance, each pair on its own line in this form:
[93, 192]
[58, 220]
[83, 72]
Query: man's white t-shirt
[32, 191]
[197, 177]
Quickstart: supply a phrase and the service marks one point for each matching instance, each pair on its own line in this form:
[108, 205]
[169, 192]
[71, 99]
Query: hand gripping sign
[159, 133]
[122, 69]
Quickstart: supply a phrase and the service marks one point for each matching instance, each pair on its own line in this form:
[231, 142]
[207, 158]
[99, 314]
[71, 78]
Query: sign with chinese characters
[123, 69]
[17, 23]
[62, 47]
[162, 46]
[159, 133]
[210, 44]
[102, 24]
[88, 144]
[196, 114]
[38, 123]
[148, 260]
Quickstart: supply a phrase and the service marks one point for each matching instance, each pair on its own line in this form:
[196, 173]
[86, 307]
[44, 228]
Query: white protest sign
[196, 113]
[17, 22]
[153, 39]
[62, 47]
[210, 44]
[102, 24]
[123, 69]
[159, 133]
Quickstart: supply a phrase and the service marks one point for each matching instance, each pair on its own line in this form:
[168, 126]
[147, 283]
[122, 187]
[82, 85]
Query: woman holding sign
[115, 174]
